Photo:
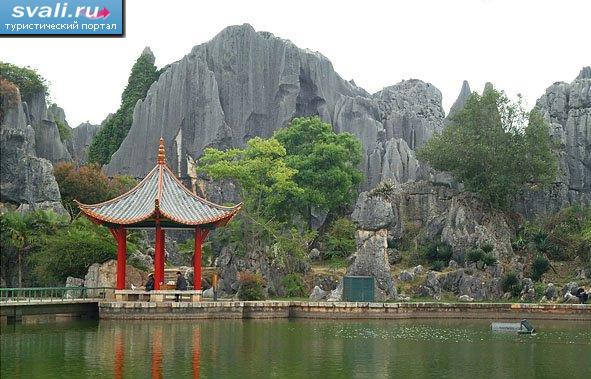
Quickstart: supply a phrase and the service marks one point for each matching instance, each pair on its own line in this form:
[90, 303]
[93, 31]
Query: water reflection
[314, 348]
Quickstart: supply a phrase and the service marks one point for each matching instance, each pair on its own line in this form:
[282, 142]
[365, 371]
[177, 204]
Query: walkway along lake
[293, 349]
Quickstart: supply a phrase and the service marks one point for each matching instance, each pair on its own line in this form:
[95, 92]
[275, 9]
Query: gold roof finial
[161, 153]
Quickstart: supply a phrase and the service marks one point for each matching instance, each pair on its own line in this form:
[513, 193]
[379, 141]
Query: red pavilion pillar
[158, 257]
[200, 235]
[162, 253]
[121, 235]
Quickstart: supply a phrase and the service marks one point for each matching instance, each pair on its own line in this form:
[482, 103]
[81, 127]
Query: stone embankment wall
[340, 310]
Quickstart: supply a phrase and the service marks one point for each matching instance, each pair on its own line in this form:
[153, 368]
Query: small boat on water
[523, 327]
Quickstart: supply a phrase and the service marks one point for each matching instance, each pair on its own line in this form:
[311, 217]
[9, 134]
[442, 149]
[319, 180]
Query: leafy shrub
[251, 286]
[438, 251]
[539, 267]
[64, 131]
[489, 260]
[340, 238]
[28, 81]
[511, 283]
[71, 251]
[475, 254]
[438, 265]
[294, 285]
[487, 247]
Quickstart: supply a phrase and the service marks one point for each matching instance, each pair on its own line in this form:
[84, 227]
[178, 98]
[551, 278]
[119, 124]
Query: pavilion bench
[157, 295]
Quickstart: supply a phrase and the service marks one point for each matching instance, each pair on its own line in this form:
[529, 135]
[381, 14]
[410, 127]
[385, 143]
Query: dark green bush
[438, 266]
[489, 260]
[251, 287]
[71, 251]
[294, 285]
[511, 283]
[487, 247]
[474, 255]
[438, 251]
[539, 267]
[340, 239]
[28, 81]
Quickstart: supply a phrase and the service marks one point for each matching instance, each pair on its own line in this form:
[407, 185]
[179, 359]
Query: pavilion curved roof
[161, 197]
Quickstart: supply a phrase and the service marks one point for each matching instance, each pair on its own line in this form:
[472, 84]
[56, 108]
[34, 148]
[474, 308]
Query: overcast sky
[521, 46]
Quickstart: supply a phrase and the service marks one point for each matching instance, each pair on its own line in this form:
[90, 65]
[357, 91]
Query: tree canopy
[325, 162]
[88, 184]
[494, 147]
[27, 80]
[112, 134]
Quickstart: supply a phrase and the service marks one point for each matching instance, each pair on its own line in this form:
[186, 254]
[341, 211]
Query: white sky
[521, 46]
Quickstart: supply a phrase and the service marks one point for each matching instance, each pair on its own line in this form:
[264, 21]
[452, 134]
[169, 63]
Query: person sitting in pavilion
[181, 284]
[150, 282]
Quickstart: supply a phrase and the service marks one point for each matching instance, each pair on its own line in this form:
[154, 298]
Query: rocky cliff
[244, 83]
[82, 136]
[567, 107]
[26, 180]
[44, 120]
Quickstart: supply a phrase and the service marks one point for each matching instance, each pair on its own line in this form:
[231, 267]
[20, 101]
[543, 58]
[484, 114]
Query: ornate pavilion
[159, 201]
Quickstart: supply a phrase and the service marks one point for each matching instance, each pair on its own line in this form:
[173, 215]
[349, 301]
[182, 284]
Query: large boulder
[372, 260]
[318, 294]
[105, 275]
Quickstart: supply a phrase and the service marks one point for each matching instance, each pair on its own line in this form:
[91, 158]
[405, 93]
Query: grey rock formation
[551, 292]
[458, 217]
[244, 83]
[25, 179]
[567, 107]
[105, 274]
[48, 143]
[82, 136]
[318, 294]
[406, 276]
[372, 260]
[458, 105]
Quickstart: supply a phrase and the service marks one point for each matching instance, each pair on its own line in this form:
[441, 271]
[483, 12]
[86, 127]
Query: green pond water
[293, 349]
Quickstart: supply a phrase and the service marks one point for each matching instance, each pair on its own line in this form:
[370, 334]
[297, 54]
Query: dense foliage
[41, 248]
[325, 163]
[294, 285]
[88, 184]
[64, 130]
[563, 236]
[110, 136]
[494, 147]
[339, 239]
[511, 283]
[278, 192]
[539, 267]
[250, 286]
[26, 79]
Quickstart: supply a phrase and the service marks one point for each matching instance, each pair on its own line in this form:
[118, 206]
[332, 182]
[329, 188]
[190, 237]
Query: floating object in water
[523, 327]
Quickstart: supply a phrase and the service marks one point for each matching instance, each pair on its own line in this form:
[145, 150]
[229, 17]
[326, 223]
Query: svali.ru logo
[60, 10]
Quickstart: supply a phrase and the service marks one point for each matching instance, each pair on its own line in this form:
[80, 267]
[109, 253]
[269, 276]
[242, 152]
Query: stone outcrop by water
[244, 83]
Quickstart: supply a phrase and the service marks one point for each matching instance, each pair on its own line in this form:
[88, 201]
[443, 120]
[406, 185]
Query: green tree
[325, 163]
[270, 198]
[109, 138]
[27, 80]
[494, 147]
[267, 185]
[71, 251]
[23, 234]
[87, 184]
[339, 240]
